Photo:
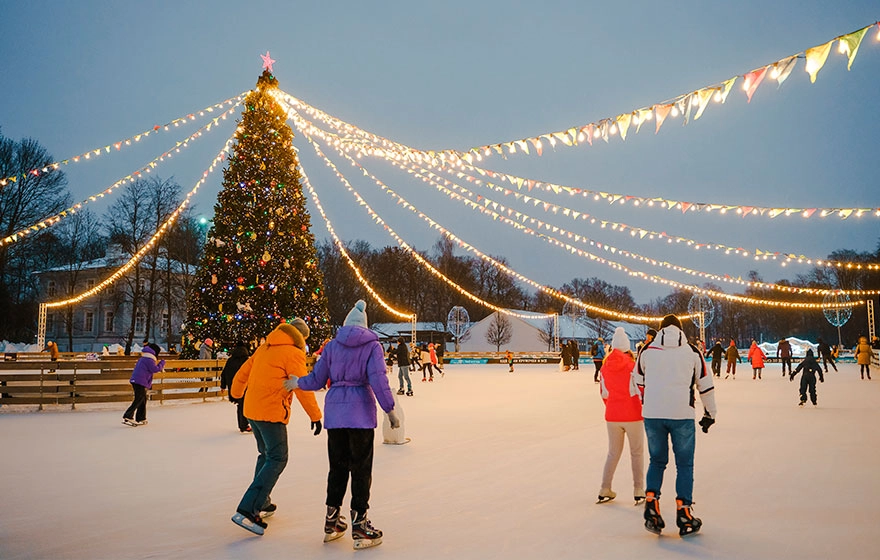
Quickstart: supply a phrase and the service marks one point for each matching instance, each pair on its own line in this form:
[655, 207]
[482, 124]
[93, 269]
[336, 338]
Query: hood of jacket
[284, 334]
[354, 335]
[670, 337]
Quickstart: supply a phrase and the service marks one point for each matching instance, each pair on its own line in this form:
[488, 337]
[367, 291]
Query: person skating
[403, 367]
[508, 355]
[425, 360]
[141, 380]
[565, 355]
[623, 416]
[598, 352]
[732, 357]
[439, 349]
[260, 381]
[717, 353]
[575, 354]
[667, 370]
[354, 363]
[236, 359]
[864, 353]
[811, 369]
[825, 355]
[756, 357]
[783, 352]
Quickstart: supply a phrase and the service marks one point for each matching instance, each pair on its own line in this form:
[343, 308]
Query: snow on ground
[500, 466]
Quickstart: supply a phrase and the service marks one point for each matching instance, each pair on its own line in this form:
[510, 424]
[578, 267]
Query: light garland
[160, 232]
[550, 239]
[52, 220]
[126, 142]
[339, 245]
[450, 158]
[486, 202]
[555, 293]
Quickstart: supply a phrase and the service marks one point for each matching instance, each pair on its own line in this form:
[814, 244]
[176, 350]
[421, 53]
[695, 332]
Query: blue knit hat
[358, 315]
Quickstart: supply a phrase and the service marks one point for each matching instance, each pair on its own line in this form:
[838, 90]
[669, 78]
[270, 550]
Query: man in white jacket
[668, 370]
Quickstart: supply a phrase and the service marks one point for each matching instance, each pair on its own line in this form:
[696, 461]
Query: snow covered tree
[260, 264]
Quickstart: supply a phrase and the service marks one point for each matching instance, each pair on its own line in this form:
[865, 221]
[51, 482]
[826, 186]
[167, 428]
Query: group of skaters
[424, 358]
[571, 353]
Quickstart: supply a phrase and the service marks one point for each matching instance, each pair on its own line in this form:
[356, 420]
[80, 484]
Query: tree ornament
[238, 247]
[213, 279]
[271, 224]
[240, 279]
[266, 256]
[286, 263]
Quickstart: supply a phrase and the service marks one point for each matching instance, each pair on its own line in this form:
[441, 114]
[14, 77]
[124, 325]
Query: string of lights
[118, 145]
[148, 168]
[160, 232]
[783, 257]
[554, 241]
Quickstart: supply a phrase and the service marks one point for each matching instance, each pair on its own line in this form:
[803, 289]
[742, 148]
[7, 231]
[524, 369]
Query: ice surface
[500, 466]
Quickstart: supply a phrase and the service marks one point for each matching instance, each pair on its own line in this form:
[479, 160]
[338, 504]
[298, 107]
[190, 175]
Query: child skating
[811, 369]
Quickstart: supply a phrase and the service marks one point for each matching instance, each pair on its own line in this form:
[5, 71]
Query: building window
[108, 321]
[50, 323]
[90, 283]
[51, 289]
[139, 322]
[89, 321]
[163, 328]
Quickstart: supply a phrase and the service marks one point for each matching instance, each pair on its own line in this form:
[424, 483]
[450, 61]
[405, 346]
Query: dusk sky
[435, 75]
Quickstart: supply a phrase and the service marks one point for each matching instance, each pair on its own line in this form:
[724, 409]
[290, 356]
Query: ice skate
[639, 497]
[268, 511]
[400, 391]
[606, 495]
[129, 422]
[249, 521]
[334, 524]
[142, 422]
[653, 521]
[684, 518]
[363, 532]
[802, 403]
[409, 393]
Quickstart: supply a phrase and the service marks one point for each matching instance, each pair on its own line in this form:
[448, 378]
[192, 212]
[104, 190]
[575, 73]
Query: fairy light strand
[146, 169]
[119, 144]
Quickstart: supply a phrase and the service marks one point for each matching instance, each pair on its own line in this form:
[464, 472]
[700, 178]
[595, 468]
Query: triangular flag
[685, 106]
[703, 96]
[845, 212]
[816, 57]
[660, 114]
[783, 68]
[670, 204]
[752, 80]
[745, 210]
[589, 129]
[623, 124]
[685, 206]
[809, 212]
[603, 129]
[850, 44]
[641, 116]
[726, 87]
[537, 144]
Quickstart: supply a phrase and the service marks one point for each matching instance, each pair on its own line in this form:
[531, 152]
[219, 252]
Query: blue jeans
[403, 373]
[272, 447]
[684, 439]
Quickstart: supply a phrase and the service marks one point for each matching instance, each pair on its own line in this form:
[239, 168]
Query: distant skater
[732, 357]
[811, 369]
[783, 352]
[864, 353]
[509, 357]
[141, 380]
[756, 356]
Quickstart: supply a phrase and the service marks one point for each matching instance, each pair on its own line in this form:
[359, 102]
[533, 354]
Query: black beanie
[670, 320]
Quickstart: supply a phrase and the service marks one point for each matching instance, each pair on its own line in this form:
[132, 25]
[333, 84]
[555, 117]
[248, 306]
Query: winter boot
[606, 495]
[653, 522]
[249, 521]
[687, 523]
[334, 524]
[363, 532]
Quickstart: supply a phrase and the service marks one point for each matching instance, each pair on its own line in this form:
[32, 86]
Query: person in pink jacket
[756, 357]
[623, 416]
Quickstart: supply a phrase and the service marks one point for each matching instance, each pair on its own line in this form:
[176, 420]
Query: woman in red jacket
[623, 416]
[756, 357]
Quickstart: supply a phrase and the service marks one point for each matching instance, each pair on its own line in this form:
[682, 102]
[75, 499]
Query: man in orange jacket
[267, 407]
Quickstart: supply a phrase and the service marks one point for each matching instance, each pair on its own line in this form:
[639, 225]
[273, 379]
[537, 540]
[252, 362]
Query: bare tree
[547, 334]
[500, 331]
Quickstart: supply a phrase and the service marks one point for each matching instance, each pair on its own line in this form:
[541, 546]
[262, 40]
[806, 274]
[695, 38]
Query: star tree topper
[267, 62]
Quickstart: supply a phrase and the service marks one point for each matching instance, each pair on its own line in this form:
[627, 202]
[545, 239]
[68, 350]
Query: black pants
[825, 361]
[350, 450]
[139, 404]
[239, 409]
[808, 383]
[786, 361]
[598, 365]
[716, 367]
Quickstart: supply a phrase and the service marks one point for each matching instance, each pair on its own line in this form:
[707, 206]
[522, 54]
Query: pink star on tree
[267, 61]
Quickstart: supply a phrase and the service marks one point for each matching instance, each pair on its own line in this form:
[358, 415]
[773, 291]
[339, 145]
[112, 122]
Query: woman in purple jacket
[141, 380]
[355, 365]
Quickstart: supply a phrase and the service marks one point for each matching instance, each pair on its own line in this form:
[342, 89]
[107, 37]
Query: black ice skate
[684, 518]
[653, 522]
[334, 524]
[268, 510]
[409, 393]
[363, 533]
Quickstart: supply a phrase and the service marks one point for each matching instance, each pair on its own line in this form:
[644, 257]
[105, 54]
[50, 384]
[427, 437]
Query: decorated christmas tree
[260, 265]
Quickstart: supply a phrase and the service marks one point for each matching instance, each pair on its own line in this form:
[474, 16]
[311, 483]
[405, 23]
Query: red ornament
[240, 279]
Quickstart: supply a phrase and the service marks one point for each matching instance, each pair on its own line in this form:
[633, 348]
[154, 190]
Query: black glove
[706, 421]
[232, 399]
[316, 425]
[821, 378]
[791, 377]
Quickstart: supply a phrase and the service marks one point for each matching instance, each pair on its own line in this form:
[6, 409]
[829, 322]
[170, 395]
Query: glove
[395, 421]
[316, 425]
[706, 421]
[291, 383]
[232, 399]
[821, 378]
[791, 377]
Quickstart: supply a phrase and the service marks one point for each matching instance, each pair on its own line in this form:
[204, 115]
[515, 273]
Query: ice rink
[500, 466]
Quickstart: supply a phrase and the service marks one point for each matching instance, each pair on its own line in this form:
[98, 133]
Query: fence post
[73, 392]
[42, 371]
